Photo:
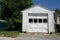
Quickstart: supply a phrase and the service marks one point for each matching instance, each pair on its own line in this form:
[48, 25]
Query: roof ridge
[39, 6]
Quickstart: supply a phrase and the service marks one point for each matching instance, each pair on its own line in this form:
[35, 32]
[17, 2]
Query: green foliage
[11, 12]
[57, 28]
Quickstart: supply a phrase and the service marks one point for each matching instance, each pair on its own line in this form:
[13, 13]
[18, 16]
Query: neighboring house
[58, 20]
[38, 19]
[57, 16]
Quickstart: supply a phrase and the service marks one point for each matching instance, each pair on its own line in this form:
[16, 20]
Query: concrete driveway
[37, 36]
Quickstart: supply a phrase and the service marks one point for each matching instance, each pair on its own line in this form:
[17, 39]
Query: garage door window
[30, 20]
[35, 20]
[45, 20]
[40, 20]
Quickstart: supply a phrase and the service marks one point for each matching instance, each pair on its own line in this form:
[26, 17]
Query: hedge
[57, 28]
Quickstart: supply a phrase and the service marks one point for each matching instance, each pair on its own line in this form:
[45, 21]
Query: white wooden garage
[38, 19]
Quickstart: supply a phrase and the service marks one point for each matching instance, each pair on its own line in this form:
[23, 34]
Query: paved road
[37, 36]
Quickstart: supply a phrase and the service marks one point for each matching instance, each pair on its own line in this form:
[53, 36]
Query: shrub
[57, 28]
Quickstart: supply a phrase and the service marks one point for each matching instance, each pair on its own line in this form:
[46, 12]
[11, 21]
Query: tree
[11, 12]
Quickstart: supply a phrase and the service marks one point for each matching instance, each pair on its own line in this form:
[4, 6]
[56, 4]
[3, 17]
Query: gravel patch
[6, 38]
[37, 36]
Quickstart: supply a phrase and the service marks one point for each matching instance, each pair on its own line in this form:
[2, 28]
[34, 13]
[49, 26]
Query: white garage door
[37, 23]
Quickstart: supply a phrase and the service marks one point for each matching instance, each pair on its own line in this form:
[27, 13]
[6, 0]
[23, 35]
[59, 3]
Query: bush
[57, 28]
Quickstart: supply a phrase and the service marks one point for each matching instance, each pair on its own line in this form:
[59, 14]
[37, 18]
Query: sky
[49, 4]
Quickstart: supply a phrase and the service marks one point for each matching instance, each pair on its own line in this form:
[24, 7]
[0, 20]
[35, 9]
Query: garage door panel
[32, 27]
[39, 24]
[44, 27]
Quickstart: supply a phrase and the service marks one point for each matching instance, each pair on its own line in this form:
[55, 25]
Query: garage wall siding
[51, 22]
[24, 22]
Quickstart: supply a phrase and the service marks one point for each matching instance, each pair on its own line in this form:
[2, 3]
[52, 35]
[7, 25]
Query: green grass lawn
[9, 33]
[58, 34]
